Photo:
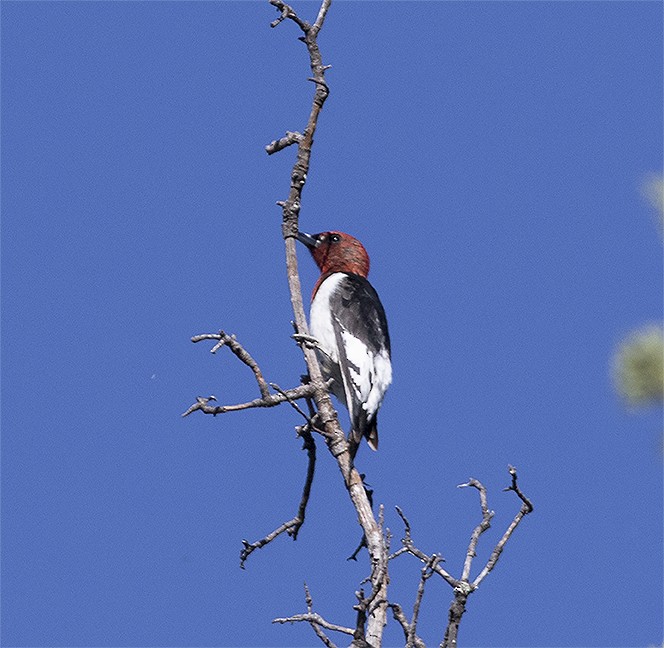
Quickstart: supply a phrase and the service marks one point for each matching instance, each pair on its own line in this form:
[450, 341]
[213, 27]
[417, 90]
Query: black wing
[358, 312]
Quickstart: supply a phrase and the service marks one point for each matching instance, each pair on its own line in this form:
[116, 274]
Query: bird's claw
[309, 340]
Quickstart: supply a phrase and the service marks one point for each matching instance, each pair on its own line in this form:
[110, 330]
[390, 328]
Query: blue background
[490, 156]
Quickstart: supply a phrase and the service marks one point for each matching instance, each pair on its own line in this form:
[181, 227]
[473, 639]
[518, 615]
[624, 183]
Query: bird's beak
[308, 240]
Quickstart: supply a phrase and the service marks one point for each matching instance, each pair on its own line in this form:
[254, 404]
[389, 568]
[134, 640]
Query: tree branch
[271, 400]
[400, 618]
[479, 529]
[427, 571]
[410, 548]
[317, 629]
[292, 526]
[462, 587]
[526, 507]
[229, 340]
[313, 618]
[288, 140]
[335, 437]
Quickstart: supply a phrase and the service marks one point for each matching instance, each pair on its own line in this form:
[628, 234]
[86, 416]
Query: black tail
[365, 428]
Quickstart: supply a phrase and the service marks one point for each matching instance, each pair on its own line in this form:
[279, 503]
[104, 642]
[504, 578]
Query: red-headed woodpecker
[349, 324]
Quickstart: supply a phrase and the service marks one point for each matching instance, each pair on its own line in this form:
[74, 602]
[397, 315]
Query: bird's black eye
[335, 238]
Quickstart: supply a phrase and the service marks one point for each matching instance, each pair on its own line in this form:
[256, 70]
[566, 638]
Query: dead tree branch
[288, 140]
[317, 629]
[462, 587]
[292, 526]
[313, 618]
[400, 618]
[271, 400]
[266, 399]
[335, 437]
[409, 546]
[371, 609]
[479, 529]
[526, 507]
[223, 339]
[427, 572]
[317, 388]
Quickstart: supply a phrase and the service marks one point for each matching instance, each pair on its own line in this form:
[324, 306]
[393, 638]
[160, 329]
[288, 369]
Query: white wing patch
[371, 374]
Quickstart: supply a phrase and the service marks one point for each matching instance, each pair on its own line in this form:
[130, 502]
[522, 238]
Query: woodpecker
[348, 322]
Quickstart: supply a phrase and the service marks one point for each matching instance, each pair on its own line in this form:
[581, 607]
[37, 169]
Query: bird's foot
[308, 340]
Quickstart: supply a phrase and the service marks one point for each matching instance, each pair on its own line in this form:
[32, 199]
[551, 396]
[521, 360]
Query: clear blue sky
[490, 156]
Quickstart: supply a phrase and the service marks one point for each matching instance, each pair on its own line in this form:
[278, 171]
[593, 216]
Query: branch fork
[462, 587]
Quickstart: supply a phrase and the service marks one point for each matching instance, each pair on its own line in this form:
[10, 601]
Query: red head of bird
[337, 252]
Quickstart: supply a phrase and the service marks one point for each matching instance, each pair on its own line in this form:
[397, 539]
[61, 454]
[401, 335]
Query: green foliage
[653, 189]
[638, 366]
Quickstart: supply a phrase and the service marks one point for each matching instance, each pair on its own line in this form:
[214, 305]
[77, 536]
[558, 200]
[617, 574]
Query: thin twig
[410, 547]
[312, 617]
[291, 527]
[317, 629]
[288, 140]
[310, 447]
[526, 507]
[229, 340]
[359, 637]
[464, 588]
[362, 545]
[427, 571]
[479, 529]
[514, 486]
[292, 403]
[271, 400]
[400, 618]
[249, 547]
[397, 553]
[287, 12]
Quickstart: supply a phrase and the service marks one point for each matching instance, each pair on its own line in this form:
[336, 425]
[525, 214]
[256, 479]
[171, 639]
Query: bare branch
[288, 12]
[288, 140]
[271, 400]
[362, 545]
[312, 617]
[310, 447]
[457, 609]
[317, 629]
[250, 547]
[427, 571]
[400, 618]
[405, 521]
[325, 5]
[292, 403]
[397, 553]
[291, 527]
[479, 529]
[410, 547]
[526, 508]
[335, 437]
[515, 487]
[229, 340]
[359, 637]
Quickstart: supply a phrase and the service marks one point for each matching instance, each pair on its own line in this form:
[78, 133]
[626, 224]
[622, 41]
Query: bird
[349, 326]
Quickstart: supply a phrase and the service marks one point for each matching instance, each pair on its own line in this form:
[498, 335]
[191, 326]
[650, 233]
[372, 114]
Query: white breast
[320, 316]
